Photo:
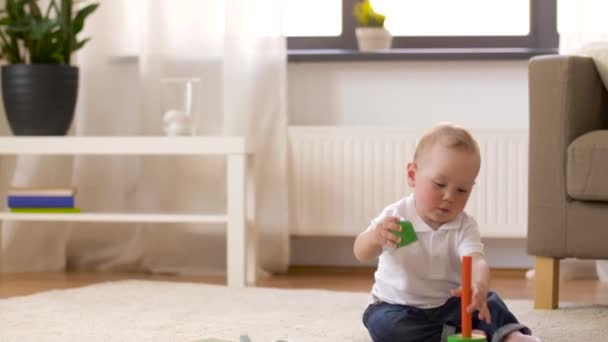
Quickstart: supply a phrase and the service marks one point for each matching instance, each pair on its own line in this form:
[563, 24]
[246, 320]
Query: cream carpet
[165, 311]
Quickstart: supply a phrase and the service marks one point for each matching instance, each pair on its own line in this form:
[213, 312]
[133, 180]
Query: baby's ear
[411, 174]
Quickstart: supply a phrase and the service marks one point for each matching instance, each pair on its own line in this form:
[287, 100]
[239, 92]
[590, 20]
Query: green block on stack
[473, 338]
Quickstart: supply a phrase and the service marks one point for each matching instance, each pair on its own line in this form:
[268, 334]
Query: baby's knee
[384, 330]
[378, 327]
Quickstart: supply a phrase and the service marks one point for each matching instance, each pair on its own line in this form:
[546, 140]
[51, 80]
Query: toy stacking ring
[465, 300]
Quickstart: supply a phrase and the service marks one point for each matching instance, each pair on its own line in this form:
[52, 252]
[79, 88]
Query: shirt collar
[420, 225]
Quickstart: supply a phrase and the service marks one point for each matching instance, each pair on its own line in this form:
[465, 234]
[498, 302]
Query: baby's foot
[517, 336]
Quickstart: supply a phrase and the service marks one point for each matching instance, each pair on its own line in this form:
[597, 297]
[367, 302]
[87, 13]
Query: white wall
[415, 94]
[477, 94]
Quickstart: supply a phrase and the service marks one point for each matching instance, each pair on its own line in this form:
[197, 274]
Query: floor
[510, 284]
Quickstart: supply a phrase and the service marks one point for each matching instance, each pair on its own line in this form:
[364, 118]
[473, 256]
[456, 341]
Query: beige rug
[164, 311]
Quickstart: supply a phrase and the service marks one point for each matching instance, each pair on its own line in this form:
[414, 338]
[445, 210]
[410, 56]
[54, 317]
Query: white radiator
[342, 177]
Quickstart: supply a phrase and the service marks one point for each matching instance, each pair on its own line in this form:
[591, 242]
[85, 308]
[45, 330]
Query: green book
[45, 210]
[407, 234]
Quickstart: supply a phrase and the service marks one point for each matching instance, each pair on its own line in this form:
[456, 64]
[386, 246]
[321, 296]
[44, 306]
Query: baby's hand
[479, 301]
[384, 231]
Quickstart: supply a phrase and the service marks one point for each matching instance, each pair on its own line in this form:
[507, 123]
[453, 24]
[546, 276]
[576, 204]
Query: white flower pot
[373, 38]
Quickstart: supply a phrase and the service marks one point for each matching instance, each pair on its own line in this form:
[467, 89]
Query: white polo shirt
[422, 273]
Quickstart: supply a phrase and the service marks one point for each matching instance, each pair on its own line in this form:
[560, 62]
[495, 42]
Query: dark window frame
[543, 35]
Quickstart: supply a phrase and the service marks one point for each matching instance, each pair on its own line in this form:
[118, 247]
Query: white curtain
[236, 49]
[581, 22]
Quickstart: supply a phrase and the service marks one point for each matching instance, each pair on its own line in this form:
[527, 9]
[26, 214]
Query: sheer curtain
[581, 22]
[236, 49]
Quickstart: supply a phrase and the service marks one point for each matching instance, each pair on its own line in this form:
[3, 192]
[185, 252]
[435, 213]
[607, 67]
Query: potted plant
[371, 34]
[39, 85]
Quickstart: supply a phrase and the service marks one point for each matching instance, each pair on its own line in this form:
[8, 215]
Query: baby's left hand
[479, 301]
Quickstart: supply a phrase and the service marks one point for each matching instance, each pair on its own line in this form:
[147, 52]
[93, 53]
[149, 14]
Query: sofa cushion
[587, 169]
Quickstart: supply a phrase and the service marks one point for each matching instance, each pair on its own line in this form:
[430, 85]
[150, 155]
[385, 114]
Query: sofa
[568, 168]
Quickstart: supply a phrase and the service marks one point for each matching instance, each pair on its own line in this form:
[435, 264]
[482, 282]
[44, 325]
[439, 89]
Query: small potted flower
[371, 34]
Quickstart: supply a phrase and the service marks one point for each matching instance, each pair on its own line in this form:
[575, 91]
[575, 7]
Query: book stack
[42, 200]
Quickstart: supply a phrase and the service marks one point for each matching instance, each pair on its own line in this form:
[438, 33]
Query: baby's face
[442, 179]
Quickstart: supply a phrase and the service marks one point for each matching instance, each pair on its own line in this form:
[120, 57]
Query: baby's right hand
[384, 231]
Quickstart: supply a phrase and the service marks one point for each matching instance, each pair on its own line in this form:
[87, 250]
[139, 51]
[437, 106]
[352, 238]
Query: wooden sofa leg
[546, 283]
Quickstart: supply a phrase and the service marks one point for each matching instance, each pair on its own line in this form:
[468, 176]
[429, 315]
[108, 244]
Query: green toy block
[407, 234]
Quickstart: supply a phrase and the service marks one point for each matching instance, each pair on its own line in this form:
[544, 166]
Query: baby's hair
[449, 135]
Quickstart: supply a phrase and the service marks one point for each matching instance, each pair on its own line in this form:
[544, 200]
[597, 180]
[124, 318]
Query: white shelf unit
[241, 237]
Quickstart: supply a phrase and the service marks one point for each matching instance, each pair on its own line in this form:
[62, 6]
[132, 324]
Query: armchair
[568, 168]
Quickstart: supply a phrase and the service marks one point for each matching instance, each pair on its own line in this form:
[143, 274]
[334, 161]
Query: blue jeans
[393, 323]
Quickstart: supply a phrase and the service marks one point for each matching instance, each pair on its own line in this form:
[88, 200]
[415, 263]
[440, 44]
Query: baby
[416, 292]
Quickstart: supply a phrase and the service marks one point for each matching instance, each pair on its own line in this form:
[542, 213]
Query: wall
[414, 94]
[477, 94]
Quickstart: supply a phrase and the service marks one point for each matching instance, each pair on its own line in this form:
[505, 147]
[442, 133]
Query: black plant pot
[39, 99]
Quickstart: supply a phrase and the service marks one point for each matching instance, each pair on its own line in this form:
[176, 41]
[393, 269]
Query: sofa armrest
[567, 99]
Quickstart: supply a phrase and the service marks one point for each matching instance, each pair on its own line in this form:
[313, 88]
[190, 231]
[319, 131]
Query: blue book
[40, 201]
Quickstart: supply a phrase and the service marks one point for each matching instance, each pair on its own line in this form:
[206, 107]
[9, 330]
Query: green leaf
[52, 7]
[78, 22]
[34, 9]
[18, 28]
[48, 49]
[65, 17]
[80, 44]
[5, 52]
[42, 28]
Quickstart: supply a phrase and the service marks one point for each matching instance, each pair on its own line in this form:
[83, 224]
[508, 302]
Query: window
[329, 24]
[312, 18]
[456, 18]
